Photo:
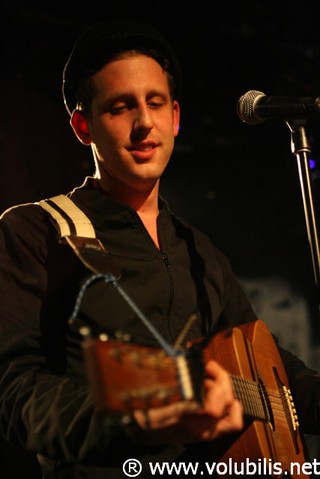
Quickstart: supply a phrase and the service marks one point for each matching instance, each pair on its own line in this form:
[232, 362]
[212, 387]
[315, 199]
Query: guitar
[126, 377]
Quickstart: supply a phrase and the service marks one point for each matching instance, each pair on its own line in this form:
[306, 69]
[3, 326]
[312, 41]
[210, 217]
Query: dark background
[236, 182]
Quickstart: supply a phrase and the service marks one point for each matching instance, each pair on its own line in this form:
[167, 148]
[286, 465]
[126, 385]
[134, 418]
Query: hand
[187, 422]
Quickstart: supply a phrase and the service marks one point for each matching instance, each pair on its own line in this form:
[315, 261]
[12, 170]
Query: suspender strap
[70, 219]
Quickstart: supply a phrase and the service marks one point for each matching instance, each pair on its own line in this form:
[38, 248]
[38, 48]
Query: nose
[143, 119]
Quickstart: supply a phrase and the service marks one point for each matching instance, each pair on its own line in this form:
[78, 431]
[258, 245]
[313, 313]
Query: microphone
[254, 107]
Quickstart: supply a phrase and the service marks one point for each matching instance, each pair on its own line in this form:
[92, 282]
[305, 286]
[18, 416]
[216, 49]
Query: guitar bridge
[291, 408]
[289, 411]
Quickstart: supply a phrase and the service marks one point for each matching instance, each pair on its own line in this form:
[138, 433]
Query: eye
[156, 103]
[117, 108]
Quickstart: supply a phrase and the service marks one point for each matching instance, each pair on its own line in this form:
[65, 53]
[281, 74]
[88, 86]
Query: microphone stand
[300, 147]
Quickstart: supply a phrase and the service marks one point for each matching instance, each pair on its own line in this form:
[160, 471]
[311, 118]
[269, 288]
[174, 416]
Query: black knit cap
[95, 45]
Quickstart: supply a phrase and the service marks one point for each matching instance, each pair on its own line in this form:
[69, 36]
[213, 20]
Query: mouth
[143, 150]
[143, 146]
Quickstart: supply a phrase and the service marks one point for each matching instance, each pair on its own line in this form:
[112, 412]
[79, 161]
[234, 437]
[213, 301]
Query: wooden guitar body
[126, 377]
[249, 352]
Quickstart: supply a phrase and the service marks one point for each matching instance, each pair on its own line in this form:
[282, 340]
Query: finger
[232, 422]
[219, 395]
[209, 428]
[214, 370]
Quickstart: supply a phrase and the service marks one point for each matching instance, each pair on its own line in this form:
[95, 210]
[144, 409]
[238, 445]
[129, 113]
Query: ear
[176, 118]
[80, 127]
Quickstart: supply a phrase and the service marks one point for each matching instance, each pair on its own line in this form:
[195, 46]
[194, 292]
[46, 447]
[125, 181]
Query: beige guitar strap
[77, 230]
[70, 219]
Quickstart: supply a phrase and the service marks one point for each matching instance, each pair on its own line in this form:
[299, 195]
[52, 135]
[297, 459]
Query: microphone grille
[245, 107]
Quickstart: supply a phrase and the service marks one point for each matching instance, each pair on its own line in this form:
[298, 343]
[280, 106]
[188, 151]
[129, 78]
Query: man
[120, 87]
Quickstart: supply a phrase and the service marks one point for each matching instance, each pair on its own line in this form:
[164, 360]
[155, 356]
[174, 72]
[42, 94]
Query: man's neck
[145, 203]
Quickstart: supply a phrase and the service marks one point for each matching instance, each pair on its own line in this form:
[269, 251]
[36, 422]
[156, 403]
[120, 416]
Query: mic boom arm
[254, 107]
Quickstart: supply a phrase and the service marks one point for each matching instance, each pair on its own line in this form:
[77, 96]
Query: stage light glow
[312, 164]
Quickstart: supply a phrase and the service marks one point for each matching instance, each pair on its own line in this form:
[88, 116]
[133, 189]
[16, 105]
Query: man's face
[133, 123]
